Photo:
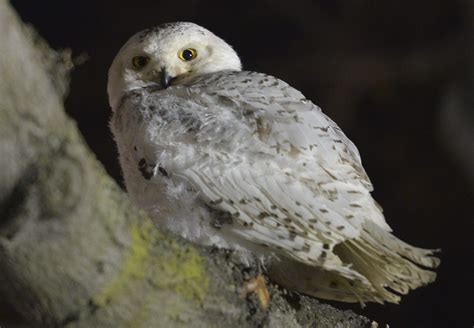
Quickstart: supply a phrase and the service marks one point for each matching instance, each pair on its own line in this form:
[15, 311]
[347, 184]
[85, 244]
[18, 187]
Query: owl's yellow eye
[187, 54]
[140, 61]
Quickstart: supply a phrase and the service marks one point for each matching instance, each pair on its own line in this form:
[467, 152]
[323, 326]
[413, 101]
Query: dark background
[395, 75]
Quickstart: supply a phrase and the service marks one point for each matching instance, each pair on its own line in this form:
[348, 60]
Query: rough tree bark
[73, 250]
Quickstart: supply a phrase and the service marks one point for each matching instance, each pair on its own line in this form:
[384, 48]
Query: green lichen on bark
[180, 269]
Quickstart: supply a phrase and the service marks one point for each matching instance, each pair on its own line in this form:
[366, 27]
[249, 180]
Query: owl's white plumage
[242, 160]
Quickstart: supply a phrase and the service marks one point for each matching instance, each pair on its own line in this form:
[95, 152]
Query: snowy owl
[242, 160]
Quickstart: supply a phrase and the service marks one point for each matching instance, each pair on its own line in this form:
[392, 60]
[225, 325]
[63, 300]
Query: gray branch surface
[74, 252]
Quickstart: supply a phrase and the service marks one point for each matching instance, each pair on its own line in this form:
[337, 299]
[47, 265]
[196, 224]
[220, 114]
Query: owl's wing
[294, 183]
[291, 179]
[290, 132]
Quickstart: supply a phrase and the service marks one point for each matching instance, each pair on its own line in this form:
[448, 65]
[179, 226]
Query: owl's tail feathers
[319, 282]
[391, 266]
[383, 267]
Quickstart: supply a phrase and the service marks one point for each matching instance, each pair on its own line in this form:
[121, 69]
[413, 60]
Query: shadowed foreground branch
[73, 251]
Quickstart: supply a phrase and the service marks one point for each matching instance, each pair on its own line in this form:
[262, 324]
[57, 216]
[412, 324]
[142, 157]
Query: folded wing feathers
[309, 200]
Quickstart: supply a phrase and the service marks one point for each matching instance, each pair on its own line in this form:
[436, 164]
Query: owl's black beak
[165, 78]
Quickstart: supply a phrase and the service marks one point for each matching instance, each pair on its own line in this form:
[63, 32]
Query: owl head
[158, 56]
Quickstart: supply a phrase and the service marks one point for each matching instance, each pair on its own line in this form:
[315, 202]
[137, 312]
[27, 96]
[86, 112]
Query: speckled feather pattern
[242, 160]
